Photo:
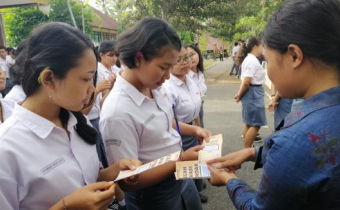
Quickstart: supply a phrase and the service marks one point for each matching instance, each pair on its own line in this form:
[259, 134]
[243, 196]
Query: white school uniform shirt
[185, 96]
[199, 80]
[39, 163]
[16, 94]
[102, 74]
[251, 67]
[135, 126]
[6, 64]
[7, 108]
[235, 50]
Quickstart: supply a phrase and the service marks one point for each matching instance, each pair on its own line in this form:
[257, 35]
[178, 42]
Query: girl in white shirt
[6, 106]
[251, 92]
[17, 93]
[196, 73]
[48, 158]
[137, 118]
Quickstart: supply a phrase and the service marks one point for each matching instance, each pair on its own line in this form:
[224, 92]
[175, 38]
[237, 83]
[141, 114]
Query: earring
[137, 64]
[50, 95]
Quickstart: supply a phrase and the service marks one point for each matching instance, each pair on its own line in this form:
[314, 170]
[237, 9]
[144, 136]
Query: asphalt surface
[223, 115]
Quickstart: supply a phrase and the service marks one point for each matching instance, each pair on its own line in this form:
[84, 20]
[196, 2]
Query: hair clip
[39, 78]
[139, 54]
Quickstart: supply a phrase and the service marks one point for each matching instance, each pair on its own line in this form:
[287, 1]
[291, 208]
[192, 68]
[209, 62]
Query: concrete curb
[209, 67]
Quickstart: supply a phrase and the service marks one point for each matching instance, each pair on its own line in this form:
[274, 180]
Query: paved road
[223, 115]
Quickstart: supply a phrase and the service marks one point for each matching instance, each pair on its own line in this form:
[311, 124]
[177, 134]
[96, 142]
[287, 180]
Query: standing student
[17, 93]
[301, 161]
[234, 53]
[185, 96]
[137, 117]
[48, 158]
[6, 106]
[196, 73]
[6, 62]
[251, 92]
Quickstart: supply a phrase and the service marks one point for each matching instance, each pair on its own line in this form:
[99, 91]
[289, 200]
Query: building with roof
[103, 27]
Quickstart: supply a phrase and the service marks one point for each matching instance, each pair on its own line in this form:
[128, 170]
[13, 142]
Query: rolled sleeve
[121, 139]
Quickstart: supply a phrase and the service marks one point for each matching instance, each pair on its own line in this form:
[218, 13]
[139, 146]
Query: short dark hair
[3, 48]
[10, 49]
[246, 48]
[149, 37]
[105, 47]
[313, 25]
[200, 65]
[59, 47]
[235, 44]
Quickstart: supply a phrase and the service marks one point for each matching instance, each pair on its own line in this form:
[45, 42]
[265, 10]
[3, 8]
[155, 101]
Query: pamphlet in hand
[148, 166]
[198, 169]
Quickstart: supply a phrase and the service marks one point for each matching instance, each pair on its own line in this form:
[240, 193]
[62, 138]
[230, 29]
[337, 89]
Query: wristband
[181, 158]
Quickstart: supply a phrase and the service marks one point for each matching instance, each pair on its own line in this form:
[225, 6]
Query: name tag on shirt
[52, 165]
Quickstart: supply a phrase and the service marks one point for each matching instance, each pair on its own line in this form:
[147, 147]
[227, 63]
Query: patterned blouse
[301, 161]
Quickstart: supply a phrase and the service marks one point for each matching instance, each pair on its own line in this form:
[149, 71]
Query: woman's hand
[91, 197]
[272, 106]
[192, 153]
[220, 177]
[202, 134]
[130, 164]
[234, 160]
[103, 85]
[237, 98]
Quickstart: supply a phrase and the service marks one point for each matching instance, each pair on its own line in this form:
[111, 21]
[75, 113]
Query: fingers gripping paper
[148, 166]
[199, 169]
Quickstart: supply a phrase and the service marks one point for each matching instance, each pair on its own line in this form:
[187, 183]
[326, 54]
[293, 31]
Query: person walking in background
[234, 53]
[251, 92]
[221, 51]
[301, 160]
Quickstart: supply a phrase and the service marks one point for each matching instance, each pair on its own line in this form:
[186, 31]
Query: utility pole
[71, 13]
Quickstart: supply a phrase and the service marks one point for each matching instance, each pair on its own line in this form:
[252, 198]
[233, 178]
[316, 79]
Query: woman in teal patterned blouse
[300, 160]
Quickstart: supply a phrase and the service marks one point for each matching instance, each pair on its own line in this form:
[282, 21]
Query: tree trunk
[165, 11]
[71, 13]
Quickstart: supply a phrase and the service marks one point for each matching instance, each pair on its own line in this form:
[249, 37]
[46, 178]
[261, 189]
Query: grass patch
[208, 63]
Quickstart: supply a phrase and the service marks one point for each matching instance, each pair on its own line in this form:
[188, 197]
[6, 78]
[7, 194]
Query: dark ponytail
[17, 71]
[246, 48]
[313, 25]
[59, 47]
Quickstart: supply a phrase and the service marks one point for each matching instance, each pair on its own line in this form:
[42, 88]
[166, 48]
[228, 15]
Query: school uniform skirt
[253, 108]
[165, 195]
[282, 110]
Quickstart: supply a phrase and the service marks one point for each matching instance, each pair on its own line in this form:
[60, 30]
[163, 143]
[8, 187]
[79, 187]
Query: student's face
[2, 79]
[194, 55]
[109, 58]
[75, 90]
[3, 53]
[183, 64]
[281, 74]
[152, 74]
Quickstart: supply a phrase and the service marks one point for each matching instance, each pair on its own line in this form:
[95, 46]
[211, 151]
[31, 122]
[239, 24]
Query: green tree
[59, 12]
[203, 45]
[20, 21]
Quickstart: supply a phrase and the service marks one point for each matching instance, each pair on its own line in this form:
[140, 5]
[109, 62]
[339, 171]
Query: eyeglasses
[185, 59]
[113, 54]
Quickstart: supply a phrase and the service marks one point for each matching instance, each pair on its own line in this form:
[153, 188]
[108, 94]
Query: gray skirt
[253, 108]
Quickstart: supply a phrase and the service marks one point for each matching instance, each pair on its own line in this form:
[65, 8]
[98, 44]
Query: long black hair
[246, 48]
[57, 46]
[313, 25]
[149, 37]
[200, 66]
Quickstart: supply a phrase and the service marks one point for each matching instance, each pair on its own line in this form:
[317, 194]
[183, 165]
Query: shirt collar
[175, 79]
[101, 66]
[130, 90]
[37, 124]
[191, 74]
[322, 100]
